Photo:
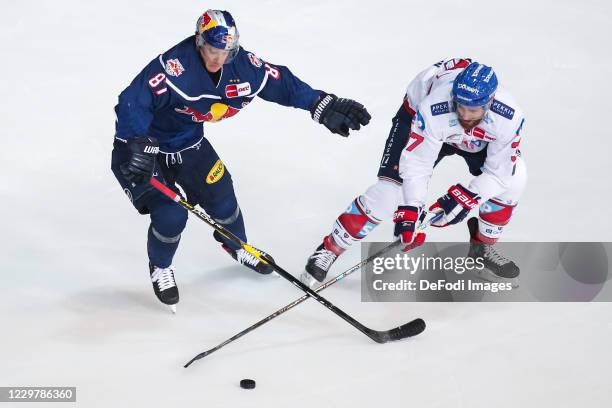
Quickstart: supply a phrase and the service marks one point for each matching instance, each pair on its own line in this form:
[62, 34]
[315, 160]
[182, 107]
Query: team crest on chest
[174, 67]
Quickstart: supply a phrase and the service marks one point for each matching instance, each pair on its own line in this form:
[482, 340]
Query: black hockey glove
[339, 115]
[139, 168]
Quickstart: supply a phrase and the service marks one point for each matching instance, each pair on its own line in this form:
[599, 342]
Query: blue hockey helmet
[218, 29]
[475, 85]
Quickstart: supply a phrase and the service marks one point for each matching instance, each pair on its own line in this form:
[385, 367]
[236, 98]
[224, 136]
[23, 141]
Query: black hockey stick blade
[410, 329]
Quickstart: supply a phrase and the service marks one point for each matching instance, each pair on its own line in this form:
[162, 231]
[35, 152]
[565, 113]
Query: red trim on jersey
[463, 63]
[406, 104]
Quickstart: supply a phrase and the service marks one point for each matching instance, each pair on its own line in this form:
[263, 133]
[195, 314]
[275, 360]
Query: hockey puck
[247, 384]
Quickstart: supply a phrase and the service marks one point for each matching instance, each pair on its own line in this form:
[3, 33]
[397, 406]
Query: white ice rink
[76, 304]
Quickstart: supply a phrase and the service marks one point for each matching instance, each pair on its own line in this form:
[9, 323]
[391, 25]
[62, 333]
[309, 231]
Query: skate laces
[244, 256]
[494, 256]
[164, 277]
[324, 258]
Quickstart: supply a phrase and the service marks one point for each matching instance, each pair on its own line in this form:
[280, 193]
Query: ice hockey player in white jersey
[453, 107]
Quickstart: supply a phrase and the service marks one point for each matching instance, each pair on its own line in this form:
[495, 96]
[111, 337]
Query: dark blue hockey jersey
[174, 95]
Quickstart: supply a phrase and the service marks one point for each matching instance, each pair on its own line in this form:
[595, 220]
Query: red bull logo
[218, 111]
[205, 21]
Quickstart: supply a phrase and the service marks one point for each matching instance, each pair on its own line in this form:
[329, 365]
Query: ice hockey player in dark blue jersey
[207, 77]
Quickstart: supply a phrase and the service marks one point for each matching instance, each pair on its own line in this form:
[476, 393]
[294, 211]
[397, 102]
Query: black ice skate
[499, 268]
[164, 285]
[318, 265]
[246, 258]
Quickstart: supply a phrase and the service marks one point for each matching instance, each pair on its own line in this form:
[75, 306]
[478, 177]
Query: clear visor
[227, 56]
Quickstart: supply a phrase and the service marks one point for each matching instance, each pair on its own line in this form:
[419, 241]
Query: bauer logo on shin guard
[215, 174]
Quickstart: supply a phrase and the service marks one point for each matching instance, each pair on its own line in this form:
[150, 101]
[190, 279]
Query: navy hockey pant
[205, 181]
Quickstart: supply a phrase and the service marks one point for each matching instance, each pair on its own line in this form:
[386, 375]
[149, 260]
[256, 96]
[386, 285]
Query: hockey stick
[330, 282]
[406, 330]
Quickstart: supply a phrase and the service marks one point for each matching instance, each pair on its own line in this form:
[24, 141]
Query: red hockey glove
[407, 219]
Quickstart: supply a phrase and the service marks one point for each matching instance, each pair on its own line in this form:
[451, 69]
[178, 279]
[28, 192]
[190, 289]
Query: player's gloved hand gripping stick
[409, 329]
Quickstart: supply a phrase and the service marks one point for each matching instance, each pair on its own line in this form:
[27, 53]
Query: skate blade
[308, 280]
[172, 308]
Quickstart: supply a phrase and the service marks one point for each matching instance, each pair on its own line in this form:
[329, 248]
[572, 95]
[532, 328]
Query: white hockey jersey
[435, 123]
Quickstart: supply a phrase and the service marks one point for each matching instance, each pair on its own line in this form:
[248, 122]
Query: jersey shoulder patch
[502, 109]
[254, 59]
[248, 64]
[174, 67]
[179, 59]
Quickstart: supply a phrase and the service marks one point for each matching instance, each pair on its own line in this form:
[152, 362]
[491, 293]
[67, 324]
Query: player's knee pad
[494, 215]
[353, 224]
[380, 200]
[517, 184]
[168, 220]
[226, 211]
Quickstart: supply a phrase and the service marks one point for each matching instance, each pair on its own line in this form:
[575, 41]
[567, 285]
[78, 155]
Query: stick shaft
[296, 302]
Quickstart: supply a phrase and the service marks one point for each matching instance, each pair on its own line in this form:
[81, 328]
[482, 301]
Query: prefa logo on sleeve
[236, 90]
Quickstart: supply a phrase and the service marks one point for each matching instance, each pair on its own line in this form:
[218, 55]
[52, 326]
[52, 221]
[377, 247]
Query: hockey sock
[493, 216]
[351, 226]
[167, 222]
